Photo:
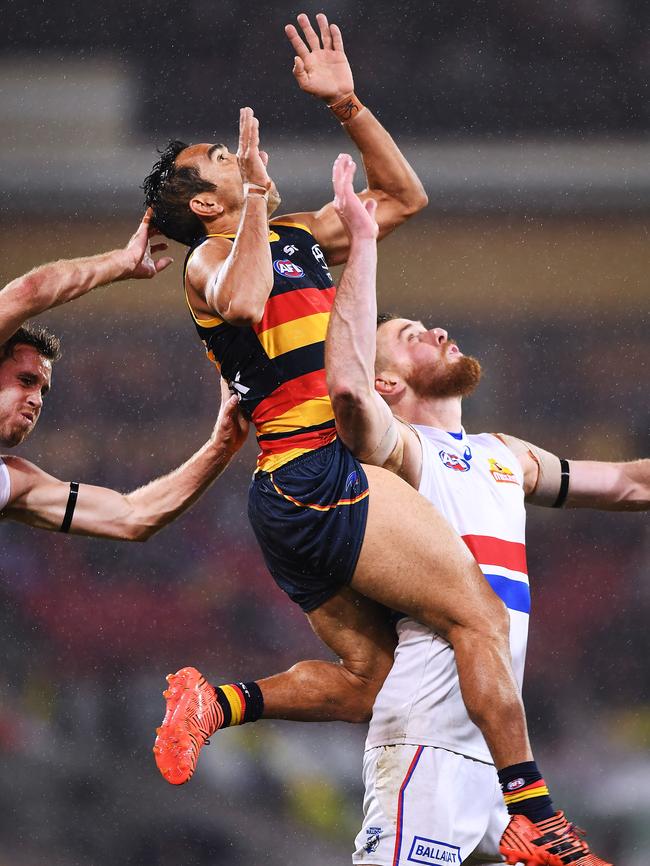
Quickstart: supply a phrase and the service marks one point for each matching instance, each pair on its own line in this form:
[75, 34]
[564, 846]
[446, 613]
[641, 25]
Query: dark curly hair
[382, 318]
[168, 190]
[44, 341]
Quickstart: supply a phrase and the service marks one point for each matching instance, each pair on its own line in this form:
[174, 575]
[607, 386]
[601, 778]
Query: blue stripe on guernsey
[513, 593]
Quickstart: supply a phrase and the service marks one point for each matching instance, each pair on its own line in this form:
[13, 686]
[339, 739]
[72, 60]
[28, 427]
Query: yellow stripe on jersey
[291, 224]
[294, 334]
[307, 414]
[211, 322]
[271, 462]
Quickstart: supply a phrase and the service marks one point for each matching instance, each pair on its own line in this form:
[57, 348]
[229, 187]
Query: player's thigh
[412, 560]
[359, 631]
[422, 805]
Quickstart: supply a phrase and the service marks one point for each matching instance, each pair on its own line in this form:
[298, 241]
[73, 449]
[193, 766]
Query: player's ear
[205, 206]
[389, 385]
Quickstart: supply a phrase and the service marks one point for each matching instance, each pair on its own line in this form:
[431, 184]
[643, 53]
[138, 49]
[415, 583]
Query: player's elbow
[30, 294]
[350, 404]
[415, 201]
[138, 532]
[243, 314]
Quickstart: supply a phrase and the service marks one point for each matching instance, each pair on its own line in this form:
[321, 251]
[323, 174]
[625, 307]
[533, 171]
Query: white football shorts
[429, 806]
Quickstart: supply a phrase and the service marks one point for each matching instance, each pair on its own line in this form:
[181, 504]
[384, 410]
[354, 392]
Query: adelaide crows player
[260, 295]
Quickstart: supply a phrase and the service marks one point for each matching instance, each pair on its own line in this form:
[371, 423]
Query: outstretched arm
[322, 69]
[59, 282]
[41, 500]
[581, 483]
[364, 422]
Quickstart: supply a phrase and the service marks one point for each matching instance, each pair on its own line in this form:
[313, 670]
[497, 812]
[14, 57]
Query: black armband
[564, 484]
[70, 507]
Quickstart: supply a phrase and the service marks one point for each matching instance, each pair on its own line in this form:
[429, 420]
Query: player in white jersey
[432, 793]
[423, 753]
[27, 353]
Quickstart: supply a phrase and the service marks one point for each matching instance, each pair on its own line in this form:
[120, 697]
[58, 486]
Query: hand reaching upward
[357, 216]
[320, 66]
[252, 161]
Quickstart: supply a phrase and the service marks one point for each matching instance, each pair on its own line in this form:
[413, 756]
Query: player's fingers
[148, 214]
[310, 34]
[163, 263]
[370, 205]
[337, 169]
[324, 27]
[337, 39]
[255, 132]
[298, 67]
[264, 157]
[296, 42]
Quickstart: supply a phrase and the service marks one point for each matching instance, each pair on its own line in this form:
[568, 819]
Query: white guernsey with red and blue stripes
[476, 482]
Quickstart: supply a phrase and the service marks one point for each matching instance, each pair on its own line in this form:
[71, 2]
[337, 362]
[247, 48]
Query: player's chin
[13, 437]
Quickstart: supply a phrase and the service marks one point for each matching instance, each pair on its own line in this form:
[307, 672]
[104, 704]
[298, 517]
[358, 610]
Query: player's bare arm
[364, 421]
[550, 481]
[235, 280]
[321, 68]
[57, 283]
[40, 500]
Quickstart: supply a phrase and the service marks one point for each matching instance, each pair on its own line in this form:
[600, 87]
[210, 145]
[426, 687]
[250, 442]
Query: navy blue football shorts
[309, 517]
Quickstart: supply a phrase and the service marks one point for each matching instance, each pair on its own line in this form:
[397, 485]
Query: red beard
[456, 379]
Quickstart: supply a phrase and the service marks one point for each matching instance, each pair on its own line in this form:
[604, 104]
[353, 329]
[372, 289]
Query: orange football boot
[193, 715]
[552, 842]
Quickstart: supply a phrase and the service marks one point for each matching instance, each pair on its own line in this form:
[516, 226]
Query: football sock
[525, 791]
[240, 703]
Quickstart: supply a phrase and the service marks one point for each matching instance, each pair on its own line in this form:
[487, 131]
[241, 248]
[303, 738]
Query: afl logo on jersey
[453, 461]
[286, 268]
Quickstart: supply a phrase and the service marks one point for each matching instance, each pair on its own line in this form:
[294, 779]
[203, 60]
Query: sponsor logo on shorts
[501, 473]
[286, 268]
[373, 840]
[432, 852]
[515, 784]
[453, 461]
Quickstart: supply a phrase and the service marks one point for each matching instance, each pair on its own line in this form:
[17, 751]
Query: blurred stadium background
[528, 121]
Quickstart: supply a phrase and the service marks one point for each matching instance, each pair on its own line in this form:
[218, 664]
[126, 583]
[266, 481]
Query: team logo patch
[290, 249]
[433, 853]
[286, 268]
[515, 784]
[501, 473]
[453, 461]
[352, 482]
[373, 840]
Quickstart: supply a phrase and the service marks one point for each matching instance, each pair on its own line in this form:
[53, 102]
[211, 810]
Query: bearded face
[452, 376]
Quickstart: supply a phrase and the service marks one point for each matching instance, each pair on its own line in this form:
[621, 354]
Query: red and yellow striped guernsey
[278, 365]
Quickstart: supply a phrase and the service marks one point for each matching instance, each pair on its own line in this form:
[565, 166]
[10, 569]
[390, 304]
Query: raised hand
[320, 66]
[357, 216]
[138, 253]
[252, 161]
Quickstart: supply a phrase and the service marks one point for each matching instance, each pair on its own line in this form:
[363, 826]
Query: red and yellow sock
[239, 703]
[525, 792]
